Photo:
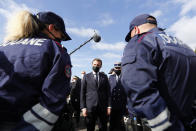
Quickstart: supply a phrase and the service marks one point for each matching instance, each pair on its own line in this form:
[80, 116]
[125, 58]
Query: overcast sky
[110, 19]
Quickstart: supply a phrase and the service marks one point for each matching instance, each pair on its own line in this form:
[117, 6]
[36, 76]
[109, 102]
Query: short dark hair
[152, 20]
[97, 59]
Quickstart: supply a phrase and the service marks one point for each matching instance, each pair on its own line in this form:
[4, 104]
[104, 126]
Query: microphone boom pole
[96, 38]
[81, 45]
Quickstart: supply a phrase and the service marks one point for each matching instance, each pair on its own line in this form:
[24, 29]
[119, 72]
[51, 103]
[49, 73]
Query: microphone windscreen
[96, 38]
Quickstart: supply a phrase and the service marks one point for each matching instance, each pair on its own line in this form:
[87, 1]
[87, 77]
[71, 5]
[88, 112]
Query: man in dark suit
[118, 100]
[95, 97]
[75, 97]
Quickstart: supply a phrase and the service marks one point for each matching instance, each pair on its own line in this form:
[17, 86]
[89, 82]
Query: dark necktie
[96, 78]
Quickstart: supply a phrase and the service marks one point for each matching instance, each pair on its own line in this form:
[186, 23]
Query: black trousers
[99, 114]
[76, 114]
[116, 120]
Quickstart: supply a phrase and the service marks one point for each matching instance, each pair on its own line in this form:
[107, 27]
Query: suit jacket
[93, 94]
[75, 94]
[118, 95]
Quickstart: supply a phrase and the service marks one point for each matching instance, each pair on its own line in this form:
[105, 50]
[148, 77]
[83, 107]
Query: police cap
[139, 20]
[52, 18]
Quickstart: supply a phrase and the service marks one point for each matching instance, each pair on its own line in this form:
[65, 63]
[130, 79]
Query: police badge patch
[68, 71]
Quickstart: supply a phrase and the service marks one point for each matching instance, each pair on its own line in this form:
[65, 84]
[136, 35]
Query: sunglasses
[117, 65]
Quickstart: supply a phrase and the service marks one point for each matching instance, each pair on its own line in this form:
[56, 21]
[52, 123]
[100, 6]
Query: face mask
[117, 72]
[96, 69]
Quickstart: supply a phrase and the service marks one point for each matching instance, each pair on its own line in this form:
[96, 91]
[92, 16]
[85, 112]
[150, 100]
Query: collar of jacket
[94, 73]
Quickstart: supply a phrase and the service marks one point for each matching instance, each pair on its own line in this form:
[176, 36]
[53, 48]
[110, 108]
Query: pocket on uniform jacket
[128, 59]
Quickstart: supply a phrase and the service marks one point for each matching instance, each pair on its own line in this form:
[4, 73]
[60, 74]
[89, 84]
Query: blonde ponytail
[21, 25]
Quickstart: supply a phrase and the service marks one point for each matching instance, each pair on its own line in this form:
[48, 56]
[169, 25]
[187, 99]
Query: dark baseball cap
[139, 20]
[52, 18]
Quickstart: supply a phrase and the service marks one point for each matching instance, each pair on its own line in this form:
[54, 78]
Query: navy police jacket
[158, 74]
[118, 96]
[34, 81]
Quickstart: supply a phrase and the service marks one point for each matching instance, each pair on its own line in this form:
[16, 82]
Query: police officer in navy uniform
[118, 100]
[35, 72]
[158, 74]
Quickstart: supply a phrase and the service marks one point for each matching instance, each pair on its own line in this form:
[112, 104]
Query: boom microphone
[95, 37]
